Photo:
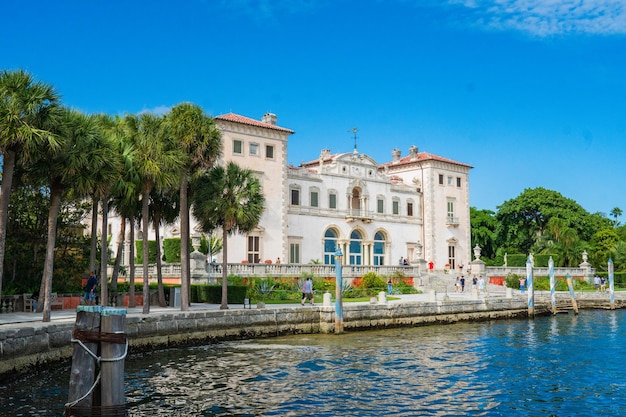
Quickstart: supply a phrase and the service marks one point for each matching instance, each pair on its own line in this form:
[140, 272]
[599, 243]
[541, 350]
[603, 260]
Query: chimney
[395, 154]
[413, 151]
[269, 118]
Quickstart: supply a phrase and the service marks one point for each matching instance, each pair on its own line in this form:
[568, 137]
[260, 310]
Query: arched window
[356, 198]
[330, 246]
[379, 249]
[356, 248]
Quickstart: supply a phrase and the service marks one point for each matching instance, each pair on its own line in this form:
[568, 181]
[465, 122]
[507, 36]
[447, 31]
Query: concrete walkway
[21, 319]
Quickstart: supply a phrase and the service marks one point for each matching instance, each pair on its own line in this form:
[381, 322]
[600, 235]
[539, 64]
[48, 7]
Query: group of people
[600, 283]
[478, 283]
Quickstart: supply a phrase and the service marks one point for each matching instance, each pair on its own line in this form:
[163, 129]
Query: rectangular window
[450, 212]
[294, 253]
[314, 198]
[237, 147]
[396, 207]
[254, 149]
[450, 208]
[449, 180]
[458, 182]
[451, 257]
[269, 152]
[409, 209]
[440, 179]
[295, 197]
[254, 254]
[332, 201]
[380, 206]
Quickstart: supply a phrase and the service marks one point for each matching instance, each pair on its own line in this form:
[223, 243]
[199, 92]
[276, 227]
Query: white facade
[416, 207]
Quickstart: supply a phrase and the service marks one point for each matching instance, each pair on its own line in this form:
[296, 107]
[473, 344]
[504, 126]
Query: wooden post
[338, 293]
[83, 372]
[570, 286]
[113, 350]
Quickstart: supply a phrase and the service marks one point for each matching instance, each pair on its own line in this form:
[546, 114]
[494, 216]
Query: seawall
[25, 346]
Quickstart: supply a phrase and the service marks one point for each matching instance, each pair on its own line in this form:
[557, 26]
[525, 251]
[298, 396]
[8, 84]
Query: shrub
[213, 293]
[151, 251]
[373, 283]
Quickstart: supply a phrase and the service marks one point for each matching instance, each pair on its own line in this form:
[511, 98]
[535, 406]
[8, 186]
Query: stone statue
[585, 256]
[505, 253]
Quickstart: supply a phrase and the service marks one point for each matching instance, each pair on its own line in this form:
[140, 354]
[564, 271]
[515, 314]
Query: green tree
[104, 180]
[158, 164]
[215, 245]
[483, 231]
[26, 113]
[196, 135]
[229, 198]
[619, 256]
[616, 212]
[164, 209]
[603, 245]
[26, 249]
[126, 196]
[523, 221]
[70, 172]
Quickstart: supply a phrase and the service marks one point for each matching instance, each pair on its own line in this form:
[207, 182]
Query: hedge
[541, 260]
[152, 250]
[213, 293]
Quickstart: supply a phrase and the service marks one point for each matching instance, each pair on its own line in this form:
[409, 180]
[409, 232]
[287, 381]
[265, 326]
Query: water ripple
[552, 366]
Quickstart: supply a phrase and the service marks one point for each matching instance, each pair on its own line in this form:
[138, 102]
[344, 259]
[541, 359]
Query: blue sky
[531, 93]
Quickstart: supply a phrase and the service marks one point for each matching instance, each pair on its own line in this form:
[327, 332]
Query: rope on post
[88, 342]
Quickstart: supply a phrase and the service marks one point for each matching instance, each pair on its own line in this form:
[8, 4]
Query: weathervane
[354, 130]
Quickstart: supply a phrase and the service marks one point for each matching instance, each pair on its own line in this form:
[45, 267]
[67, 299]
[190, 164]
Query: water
[551, 366]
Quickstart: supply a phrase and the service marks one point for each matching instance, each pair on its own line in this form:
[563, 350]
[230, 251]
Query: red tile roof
[422, 156]
[232, 117]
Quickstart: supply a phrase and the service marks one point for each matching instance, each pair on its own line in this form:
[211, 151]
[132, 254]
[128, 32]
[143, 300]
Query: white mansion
[415, 207]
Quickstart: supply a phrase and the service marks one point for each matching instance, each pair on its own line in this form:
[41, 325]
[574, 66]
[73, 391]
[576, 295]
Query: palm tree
[158, 164]
[105, 180]
[126, 193]
[194, 133]
[72, 170]
[26, 111]
[616, 212]
[164, 208]
[229, 198]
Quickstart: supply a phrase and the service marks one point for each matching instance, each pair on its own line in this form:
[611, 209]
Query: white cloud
[158, 110]
[549, 17]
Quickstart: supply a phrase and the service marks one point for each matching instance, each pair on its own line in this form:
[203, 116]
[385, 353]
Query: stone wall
[36, 344]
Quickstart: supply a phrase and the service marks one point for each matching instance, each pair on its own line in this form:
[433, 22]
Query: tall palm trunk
[94, 234]
[104, 254]
[118, 256]
[131, 263]
[157, 237]
[146, 224]
[5, 194]
[224, 305]
[53, 214]
[185, 267]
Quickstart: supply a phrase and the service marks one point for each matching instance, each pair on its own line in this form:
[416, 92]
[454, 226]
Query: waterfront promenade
[26, 319]
[25, 341]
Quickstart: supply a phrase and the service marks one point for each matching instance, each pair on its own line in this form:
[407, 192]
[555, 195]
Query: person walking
[307, 291]
[90, 289]
[389, 286]
[481, 286]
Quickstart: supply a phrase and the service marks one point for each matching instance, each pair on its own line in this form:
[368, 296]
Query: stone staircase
[442, 282]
